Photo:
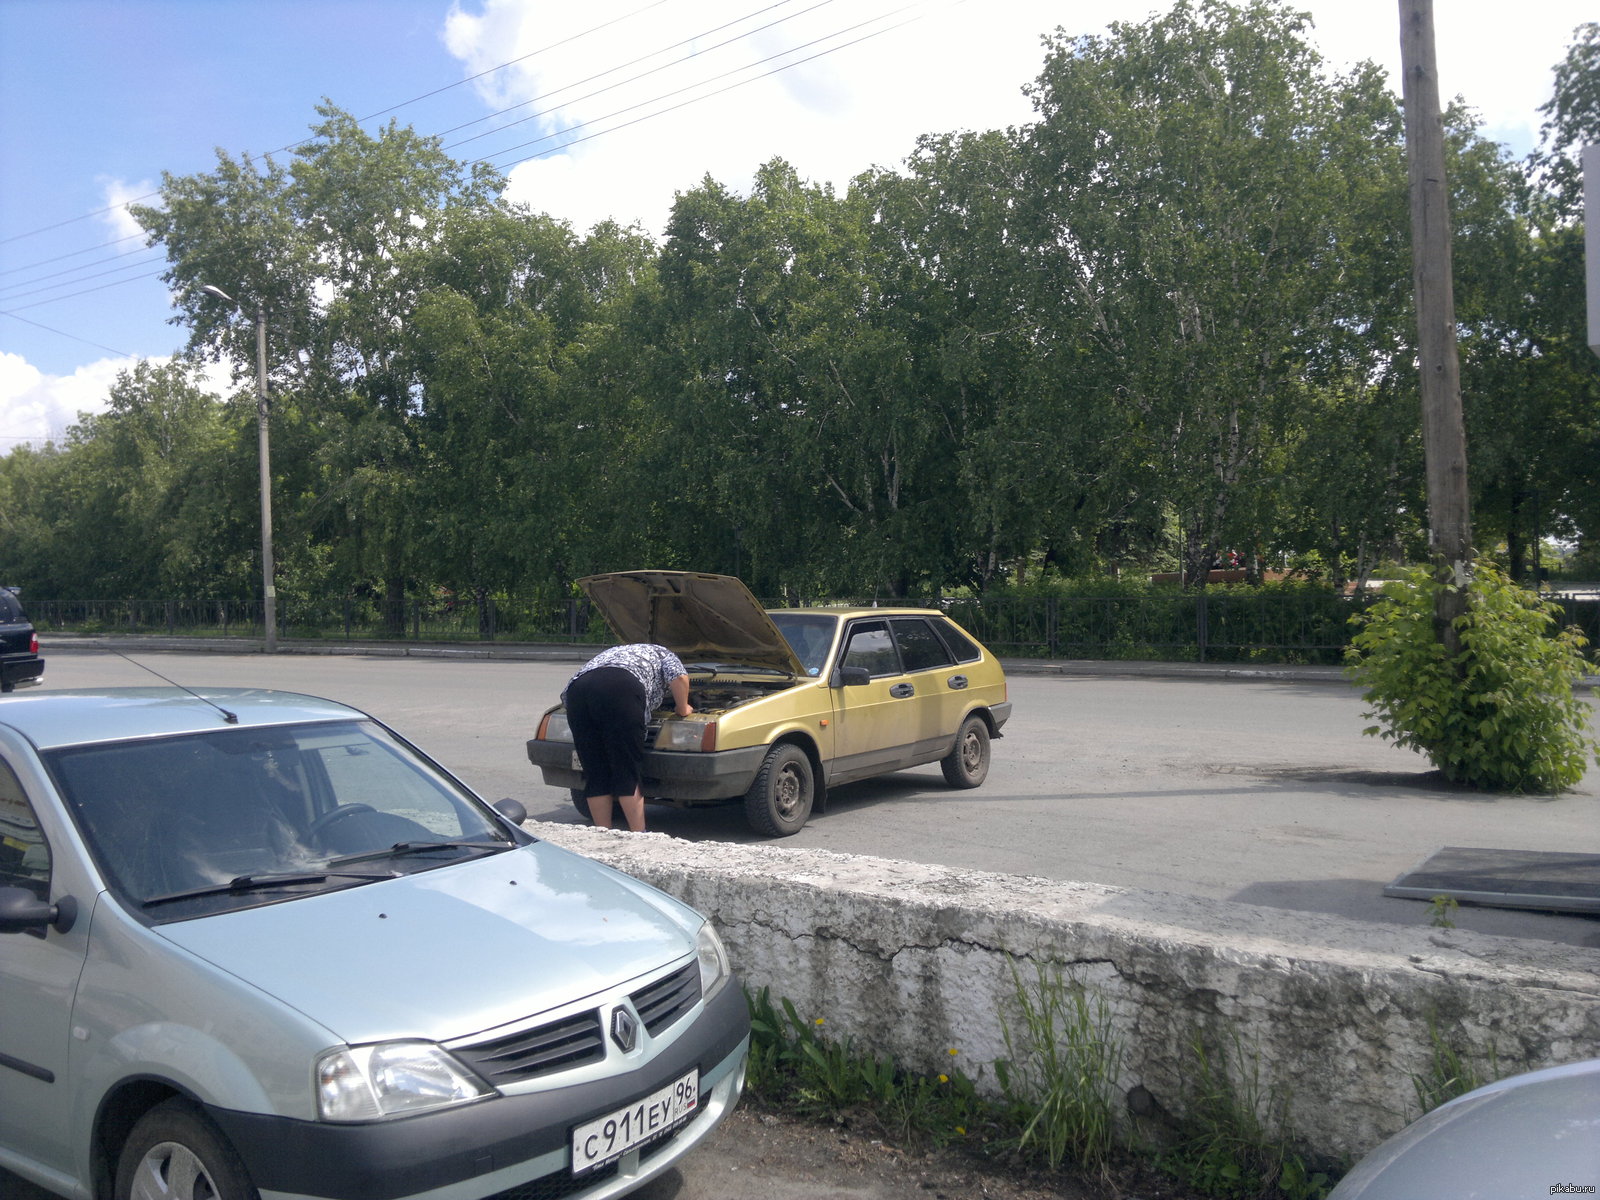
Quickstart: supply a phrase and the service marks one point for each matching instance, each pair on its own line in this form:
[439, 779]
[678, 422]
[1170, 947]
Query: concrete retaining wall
[917, 960]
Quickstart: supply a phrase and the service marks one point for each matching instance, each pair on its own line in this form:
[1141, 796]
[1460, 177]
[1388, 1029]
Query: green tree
[1188, 181]
[1566, 372]
[509, 303]
[743, 287]
[958, 283]
[327, 246]
[138, 502]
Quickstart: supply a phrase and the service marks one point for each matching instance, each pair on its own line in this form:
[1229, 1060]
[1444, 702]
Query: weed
[1448, 1075]
[1442, 911]
[1229, 1147]
[1059, 1082]
[792, 1062]
[1060, 1070]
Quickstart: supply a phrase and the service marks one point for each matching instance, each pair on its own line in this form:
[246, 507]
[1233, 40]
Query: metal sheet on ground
[1553, 881]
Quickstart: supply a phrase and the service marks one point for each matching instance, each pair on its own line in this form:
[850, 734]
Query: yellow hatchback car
[791, 702]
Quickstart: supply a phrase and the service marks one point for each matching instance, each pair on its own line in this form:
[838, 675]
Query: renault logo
[624, 1029]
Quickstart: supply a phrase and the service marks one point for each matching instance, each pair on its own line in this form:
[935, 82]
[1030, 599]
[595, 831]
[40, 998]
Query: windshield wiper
[402, 849]
[266, 882]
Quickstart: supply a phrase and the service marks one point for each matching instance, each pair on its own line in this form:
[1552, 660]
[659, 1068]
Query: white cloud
[1503, 67]
[36, 408]
[952, 65]
[119, 194]
[732, 98]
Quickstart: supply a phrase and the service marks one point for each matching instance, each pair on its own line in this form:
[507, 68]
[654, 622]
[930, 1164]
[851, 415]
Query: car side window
[869, 646]
[24, 856]
[920, 647]
[963, 647]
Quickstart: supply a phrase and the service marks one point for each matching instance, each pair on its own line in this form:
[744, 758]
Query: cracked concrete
[1331, 1016]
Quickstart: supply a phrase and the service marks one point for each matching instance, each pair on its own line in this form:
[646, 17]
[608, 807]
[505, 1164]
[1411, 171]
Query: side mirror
[511, 810]
[21, 910]
[849, 677]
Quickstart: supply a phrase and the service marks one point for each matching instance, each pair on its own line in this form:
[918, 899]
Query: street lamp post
[269, 593]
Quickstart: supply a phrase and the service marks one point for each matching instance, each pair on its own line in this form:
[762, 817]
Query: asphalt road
[1250, 790]
[1238, 789]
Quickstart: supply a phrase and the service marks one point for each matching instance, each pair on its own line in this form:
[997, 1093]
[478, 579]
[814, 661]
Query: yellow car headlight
[554, 728]
[687, 735]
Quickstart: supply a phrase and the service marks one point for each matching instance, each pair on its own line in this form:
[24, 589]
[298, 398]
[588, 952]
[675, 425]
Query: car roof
[75, 717]
[863, 611]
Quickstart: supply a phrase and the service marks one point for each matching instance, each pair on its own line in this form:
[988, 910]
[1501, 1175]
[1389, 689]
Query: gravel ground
[758, 1154]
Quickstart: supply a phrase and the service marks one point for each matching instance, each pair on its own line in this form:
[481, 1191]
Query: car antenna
[229, 717]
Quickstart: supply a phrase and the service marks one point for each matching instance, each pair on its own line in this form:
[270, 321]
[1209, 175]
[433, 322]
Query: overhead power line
[698, 84]
[381, 112]
[44, 262]
[688, 41]
[492, 156]
[50, 287]
[74, 337]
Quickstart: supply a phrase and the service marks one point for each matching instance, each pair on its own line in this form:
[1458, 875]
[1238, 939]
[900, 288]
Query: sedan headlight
[687, 735]
[391, 1079]
[554, 728]
[714, 969]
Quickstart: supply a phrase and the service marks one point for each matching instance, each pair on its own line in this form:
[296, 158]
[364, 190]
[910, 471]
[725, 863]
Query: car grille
[579, 1039]
[665, 1000]
[569, 1042]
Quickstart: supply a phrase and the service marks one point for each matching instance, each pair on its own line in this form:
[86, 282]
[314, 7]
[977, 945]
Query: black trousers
[605, 708]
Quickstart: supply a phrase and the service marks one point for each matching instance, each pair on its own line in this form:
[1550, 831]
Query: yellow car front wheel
[779, 801]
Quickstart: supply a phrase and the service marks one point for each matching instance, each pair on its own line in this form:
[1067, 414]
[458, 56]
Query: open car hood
[700, 618]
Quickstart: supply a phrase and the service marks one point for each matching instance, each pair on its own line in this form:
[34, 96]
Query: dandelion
[944, 1079]
[962, 1130]
[819, 1020]
[953, 1053]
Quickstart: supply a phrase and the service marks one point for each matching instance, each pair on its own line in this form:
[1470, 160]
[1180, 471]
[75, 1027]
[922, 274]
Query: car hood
[450, 952]
[698, 617]
[1515, 1137]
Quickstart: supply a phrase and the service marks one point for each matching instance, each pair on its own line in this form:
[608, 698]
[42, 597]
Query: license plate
[608, 1138]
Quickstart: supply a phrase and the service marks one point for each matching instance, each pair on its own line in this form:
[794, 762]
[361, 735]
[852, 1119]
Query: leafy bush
[1501, 714]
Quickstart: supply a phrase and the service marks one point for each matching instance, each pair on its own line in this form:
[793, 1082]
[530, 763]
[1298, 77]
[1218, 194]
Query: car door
[937, 701]
[875, 723]
[39, 972]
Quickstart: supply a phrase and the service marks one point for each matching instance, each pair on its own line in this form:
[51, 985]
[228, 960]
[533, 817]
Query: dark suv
[20, 664]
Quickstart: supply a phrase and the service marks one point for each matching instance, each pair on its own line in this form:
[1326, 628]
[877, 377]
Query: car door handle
[957, 682]
[901, 690]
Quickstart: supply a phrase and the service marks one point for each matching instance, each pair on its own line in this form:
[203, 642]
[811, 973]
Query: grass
[1060, 1072]
[1229, 1146]
[1449, 1074]
[1060, 1107]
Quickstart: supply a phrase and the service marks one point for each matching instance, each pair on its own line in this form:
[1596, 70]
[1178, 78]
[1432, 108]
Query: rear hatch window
[16, 635]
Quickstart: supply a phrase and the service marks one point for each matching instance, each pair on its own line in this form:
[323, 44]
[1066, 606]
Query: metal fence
[1232, 625]
[514, 618]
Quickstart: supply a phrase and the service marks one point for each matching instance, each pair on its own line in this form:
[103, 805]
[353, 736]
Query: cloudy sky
[99, 97]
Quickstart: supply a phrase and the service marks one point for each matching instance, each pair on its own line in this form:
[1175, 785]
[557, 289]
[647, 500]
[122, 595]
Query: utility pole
[269, 592]
[1444, 434]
